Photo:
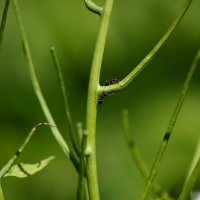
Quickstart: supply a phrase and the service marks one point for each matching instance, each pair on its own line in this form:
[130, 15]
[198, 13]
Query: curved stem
[37, 88]
[131, 144]
[137, 158]
[93, 97]
[194, 160]
[170, 127]
[93, 7]
[3, 21]
[189, 185]
[128, 79]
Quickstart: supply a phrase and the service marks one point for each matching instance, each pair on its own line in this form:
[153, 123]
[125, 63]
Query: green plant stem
[3, 21]
[79, 126]
[6, 168]
[134, 73]
[93, 97]
[189, 185]
[170, 127]
[131, 144]
[137, 158]
[37, 88]
[1, 193]
[81, 189]
[93, 7]
[194, 160]
[65, 100]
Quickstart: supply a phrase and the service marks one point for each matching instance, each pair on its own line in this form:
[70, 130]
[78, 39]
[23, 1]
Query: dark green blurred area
[135, 28]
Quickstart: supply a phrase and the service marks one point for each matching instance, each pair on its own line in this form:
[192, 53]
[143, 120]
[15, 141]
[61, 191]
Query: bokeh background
[135, 28]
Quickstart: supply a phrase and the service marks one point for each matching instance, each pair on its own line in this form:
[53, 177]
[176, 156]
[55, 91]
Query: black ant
[104, 94]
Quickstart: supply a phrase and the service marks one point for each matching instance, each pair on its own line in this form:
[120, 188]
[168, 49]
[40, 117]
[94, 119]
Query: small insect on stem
[112, 81]
[101, 98]
[104, 94]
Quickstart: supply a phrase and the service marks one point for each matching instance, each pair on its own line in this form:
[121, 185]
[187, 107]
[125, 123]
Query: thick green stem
[92, 99]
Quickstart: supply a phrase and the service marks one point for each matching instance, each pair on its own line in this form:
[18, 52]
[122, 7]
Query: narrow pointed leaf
[23, 170]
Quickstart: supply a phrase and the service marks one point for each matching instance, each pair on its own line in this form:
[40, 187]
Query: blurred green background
[135, 28]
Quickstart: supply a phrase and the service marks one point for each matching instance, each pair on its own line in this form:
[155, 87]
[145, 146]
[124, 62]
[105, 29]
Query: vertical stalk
[81, 194]
[1, 193]
[3, 21]
[65, 100]
[92, 99]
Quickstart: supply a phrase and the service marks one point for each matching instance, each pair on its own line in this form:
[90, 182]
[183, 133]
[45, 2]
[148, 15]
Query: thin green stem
[93, 97]
[3, 21]
[134, 73]
[81, 183]
[133, 149]
[137, 158]
[191, 177]
[65, 100]
[6, 168]
[189, 185]
[170, 127]
[79, 126]
[194, 160]
[93, 7]
[1, 193]
[37, 88]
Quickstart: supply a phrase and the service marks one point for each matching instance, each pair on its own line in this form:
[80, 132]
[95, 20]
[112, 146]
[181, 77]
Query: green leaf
[22, 170]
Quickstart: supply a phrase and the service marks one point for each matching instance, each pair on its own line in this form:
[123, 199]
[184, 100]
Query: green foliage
[23, 170]
[80, 149]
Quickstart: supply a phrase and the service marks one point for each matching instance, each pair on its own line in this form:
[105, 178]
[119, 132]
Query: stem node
[93, 7]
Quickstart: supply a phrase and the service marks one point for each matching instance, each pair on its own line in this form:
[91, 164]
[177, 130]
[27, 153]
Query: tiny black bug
[112, 81]
[104, 94]
[101, 98]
